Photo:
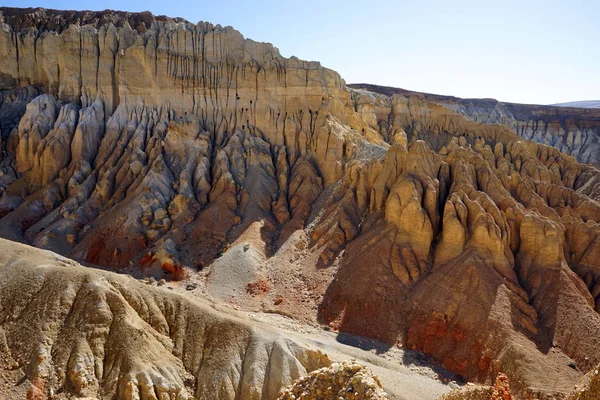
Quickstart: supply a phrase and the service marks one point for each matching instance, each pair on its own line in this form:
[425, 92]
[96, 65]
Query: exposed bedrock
[162, 145]
[97, 334]
[572, 130]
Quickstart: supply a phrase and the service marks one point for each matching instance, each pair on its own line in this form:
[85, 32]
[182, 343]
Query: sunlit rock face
[148, 142]
[572, 128]
[96, 334]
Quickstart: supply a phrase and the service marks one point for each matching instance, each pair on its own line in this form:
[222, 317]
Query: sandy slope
[72, 329]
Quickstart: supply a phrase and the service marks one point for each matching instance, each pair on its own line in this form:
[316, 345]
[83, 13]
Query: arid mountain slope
[67, 331]
[100, 334]
[168, 148]
[572, 129]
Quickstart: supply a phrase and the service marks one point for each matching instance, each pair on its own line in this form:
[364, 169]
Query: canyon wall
[572, 130]
[178, 149]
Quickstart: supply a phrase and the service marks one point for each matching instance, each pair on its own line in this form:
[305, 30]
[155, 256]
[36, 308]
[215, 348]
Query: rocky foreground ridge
[67, 331]
[92, 333]
[154, 145]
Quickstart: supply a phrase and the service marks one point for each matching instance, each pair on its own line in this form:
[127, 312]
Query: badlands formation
[275, 217]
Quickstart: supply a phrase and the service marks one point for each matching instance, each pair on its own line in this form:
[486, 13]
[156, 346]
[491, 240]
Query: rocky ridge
[68, 331]
[109, 336]
[188, 151]
[573, 129]
[580, 104]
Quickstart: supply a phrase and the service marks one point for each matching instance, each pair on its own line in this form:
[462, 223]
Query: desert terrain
[185, 213]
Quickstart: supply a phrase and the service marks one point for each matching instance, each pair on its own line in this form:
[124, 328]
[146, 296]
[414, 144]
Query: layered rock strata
[172, 147]
[571, 129]
[87, 333]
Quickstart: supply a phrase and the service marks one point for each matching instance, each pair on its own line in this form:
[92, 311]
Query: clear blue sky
[528, 51]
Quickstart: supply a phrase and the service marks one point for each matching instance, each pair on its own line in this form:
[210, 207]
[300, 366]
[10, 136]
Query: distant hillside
[543, 124]
[580, 104]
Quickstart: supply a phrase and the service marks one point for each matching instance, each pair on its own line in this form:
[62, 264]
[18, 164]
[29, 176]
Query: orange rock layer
[170, 144]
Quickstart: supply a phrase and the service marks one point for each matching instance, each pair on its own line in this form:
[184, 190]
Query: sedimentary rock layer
[176, 147]
[98, 334]
[573, 130]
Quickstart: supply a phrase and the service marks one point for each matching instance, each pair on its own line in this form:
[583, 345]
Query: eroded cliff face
[229, 83]
[572, 130]
[87, 333]
[473, 238]
[172, 148]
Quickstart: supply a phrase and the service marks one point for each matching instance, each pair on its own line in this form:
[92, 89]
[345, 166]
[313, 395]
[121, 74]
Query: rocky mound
[500, 391]
[589, 387]
[91, 333]
[471, 392]
[188, 152]
[347, 380]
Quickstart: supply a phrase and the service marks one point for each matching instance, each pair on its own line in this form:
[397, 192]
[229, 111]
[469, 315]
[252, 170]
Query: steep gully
[158, 143]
